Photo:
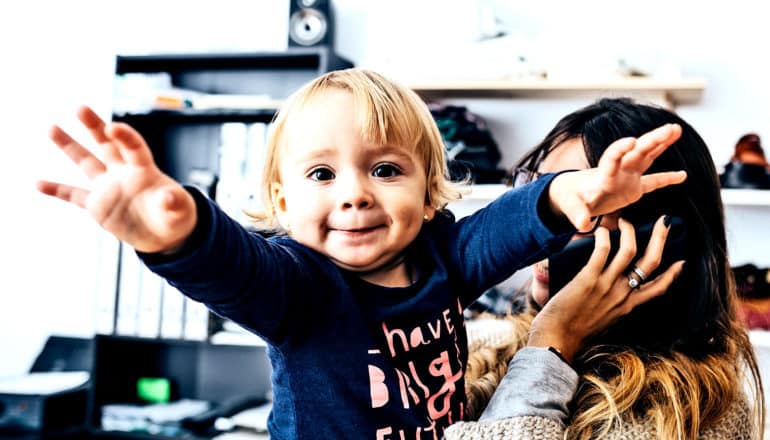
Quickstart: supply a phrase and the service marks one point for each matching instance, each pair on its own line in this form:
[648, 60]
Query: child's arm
[617, 181]
[128, 196]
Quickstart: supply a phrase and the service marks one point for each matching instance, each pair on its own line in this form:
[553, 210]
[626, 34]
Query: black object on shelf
[220, 374]
[55, 413]
[321, 58]
[195, 116]
[744, 176]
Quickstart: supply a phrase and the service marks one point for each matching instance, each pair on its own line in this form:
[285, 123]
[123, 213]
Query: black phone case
[564, 265]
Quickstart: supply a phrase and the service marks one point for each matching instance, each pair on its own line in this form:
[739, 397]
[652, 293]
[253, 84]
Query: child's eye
[386, 170]
[321, 174]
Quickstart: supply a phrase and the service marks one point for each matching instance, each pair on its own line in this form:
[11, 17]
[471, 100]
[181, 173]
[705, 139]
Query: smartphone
[564, 265]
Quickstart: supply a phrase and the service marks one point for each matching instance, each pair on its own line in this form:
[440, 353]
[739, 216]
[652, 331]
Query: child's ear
[278, 200]
[429, 212]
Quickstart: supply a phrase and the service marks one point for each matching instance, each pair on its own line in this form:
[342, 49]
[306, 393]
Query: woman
[675, 366]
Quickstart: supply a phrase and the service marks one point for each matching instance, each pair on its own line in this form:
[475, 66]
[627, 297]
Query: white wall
[57, 55]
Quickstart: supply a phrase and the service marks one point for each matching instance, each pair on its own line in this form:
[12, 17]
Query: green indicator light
[153, 389]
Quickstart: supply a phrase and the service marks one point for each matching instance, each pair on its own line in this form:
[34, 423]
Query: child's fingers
[613, 155]
[85, 160]
[674, 133]
[132, 146]
[651, 182]
[67, 193]
[93, 123]
[650, 145]
[97, 128]
[655, 287]
[658, 138]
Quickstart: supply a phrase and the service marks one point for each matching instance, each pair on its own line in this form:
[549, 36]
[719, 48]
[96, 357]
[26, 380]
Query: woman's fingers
[598, 257]
[626, 252]
[654, 252]
[653, 288]
[67, 193]
[85, 160]
[648, 263]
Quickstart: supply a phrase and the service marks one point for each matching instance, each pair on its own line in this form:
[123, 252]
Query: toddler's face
[357, 203]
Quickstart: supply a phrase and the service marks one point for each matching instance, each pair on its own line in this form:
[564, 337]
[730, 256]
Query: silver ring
[633, 282]
[640, 272]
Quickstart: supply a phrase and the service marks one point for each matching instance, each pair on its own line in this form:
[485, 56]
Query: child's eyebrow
[368, 150]
[391, 149]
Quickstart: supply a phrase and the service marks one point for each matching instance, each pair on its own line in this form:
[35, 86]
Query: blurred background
[56, 266]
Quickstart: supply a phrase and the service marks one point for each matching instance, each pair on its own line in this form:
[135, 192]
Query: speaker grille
[308, 26]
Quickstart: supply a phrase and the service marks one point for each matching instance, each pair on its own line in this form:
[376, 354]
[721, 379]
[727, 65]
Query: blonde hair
[681, 395]
[387, 113]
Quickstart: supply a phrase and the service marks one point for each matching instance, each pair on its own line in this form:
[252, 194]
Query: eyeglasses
[523, 176]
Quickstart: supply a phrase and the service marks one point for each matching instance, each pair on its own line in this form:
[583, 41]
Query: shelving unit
[730, 197]
[669, 93]
[746, 197]
[187, 143]
[235, 91]
[760, 338]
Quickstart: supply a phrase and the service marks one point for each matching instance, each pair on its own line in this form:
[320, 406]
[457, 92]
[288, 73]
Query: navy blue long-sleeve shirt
[352, 359]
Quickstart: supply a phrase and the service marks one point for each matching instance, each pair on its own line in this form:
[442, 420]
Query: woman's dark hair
[682, 359]
[694, 316]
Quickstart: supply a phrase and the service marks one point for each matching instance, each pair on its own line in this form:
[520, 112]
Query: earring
[426, 217]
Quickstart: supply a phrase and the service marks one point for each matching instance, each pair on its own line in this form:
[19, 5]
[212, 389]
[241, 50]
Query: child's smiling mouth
[357, 234]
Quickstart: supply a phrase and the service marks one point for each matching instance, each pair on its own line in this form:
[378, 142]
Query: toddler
[361, 300]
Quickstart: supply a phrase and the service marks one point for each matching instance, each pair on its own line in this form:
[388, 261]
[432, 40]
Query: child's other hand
[128, 196]
[618, 179]
[597, 297]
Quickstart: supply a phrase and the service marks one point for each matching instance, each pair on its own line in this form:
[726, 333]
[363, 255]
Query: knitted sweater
[510, 416]
[736, 424]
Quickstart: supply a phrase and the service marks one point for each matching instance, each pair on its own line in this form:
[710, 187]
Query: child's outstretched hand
[618, 179]
[128, 196]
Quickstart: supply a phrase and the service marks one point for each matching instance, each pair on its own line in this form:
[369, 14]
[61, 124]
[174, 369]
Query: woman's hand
[597, 297]
[618, 179]
[128, 196]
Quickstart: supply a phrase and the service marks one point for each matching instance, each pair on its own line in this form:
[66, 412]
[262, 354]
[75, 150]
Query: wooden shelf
[760, 338]
[675, 92]
[485, 192]
[730, 197]
[746, 197]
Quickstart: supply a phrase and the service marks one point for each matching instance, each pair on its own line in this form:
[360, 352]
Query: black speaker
[311, 23]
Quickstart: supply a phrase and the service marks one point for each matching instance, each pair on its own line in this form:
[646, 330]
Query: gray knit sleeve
[537, 383]
[521, 428]
[530, 403]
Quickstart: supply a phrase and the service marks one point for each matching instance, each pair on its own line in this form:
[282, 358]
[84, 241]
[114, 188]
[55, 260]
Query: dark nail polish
[667, 220]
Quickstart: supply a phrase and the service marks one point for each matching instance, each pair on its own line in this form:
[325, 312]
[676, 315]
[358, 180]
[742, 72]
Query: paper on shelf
[41, 383]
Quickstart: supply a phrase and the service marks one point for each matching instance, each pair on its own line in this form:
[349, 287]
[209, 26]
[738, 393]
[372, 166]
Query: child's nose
[354, 193]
